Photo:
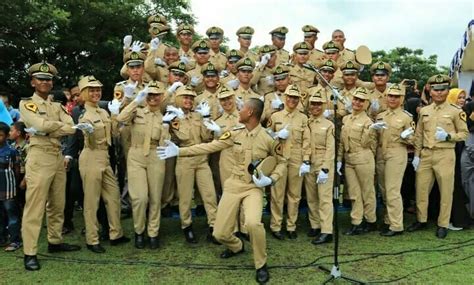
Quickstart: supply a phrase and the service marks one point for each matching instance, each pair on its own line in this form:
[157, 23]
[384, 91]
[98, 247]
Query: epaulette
[408, 113]
[200, 92]
[26, 98]
[457, 107]
[319, 50]
[121, 83]
[236, 128]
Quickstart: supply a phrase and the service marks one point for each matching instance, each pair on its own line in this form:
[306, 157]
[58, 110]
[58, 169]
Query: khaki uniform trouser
[435, 164]
[145, 179]
[319, 198]
[360, 171]
[98, 181]
[289, 185]
[214, 165]
[238, 192]
[390, 170]
[169, 194]
[46, 180]
[189, 170]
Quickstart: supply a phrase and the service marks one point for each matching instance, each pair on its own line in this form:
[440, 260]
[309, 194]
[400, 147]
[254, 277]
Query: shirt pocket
[446, 122]
[297, 134]
[239, 153]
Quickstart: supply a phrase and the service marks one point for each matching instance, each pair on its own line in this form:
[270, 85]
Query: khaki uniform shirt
[219, 60]
[357, 139]
[283, 56]
[322, 142]
[259, 79]
[302, 77]
[397, 121]
[245, 94]
[190, 130]
[212, 100]
[101, 138]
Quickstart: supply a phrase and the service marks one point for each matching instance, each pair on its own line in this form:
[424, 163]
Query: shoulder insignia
[236, 128]
[225, 136]
[31, 106]
[462, 115]
[457, 107]
[412, 124]
[278, 149]
[269, 122]
[64, 108]
[175, 125]
[121, 83]
[408, 113]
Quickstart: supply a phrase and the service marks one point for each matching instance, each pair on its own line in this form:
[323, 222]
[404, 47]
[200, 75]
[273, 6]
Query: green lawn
[416, 256]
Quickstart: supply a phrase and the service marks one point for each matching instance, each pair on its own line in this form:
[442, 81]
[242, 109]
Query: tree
[79, 37]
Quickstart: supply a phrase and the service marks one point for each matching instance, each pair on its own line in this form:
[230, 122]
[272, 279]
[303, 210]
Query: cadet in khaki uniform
[291, 127]
[345, 53]
[158, 68]
[380, 72]
[218, 58]
[248, 144]
[350, 74]
[244, 35]
[211, 86]
[319, 181]
[310, 34]
[263, 75]
[327, 69]
[45, 176]
[440, 126]
[189, 131]
[278, 40]
[302, 77]
[157, 47]
[94, 165]
[230, 73]
[184, 34]
[201, 57]
[146, 172]
[392, 146]
[357, 147]
[245, 67]
[332, 51]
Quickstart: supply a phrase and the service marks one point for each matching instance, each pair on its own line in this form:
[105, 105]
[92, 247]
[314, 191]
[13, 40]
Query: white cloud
[434, 26]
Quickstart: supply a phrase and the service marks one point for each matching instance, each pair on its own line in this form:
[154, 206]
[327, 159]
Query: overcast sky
[434, 26]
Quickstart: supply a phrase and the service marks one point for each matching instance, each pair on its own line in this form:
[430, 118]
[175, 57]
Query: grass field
[409, 258]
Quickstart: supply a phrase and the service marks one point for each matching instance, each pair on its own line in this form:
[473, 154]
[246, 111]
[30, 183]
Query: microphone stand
[335, 271]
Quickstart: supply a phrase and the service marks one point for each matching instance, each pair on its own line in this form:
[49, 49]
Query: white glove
[141, 95]
[339, 167]
[304, 168]
[32, 131]
[415, 162]
[177, 111]
[168, 117]
[137, 46]
[234, 83]
[204, 109]
[265, 58]
[322, 177]
[328, 113]
[239, 102]
[114, 107]
[85, 127]
[224, 73]
[378, 126]
[127, 41]
[129, 89]
[184, 59]
[283, 133]
[270, 80]
[195, 81]
[212, 126]
[262, 180]
[174, 86]
[159, 61]
[374, 105]
[348, 106]
[407, 133]
[262, 98]
[170, 150]
[154, 44]
[276, 103]
[441, 134]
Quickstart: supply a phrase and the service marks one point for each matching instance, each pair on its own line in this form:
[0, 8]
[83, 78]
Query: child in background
[9, 171]
[18, 136]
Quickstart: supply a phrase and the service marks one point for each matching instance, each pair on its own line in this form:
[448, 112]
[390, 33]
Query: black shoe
[97, 248]
[140, 241]
[31, 263]
[370, 227]
[200, 211]
[416, 226]
[120, 240]
[154, 243]
[189, 235]
[227, 253]
[441, 232]
[211, 238]
[62, 247]
[314, 232]
[242, 235]
[292, 235]
[385, 228]
[278, 235]
[354, 230]
[390, 233]
[322, 238]
[262, 276]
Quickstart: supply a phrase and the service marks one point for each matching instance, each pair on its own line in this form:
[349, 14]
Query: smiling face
[394, 101]
[357, 104]
[439, 96]
[42, 86]
[291, 102]
[316, 108]
[188, 101]
[153, 99]
[228, 103]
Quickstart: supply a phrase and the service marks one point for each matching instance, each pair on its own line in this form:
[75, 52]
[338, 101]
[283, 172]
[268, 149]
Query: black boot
[140, 241]
[262, 276]
[120, 240]
[211, 238]
[416, 226]
[227, 253]
[189, 235]
[154, 243]
[96, 248]
[314, 232]
[31, 263]
[322, 238]
[355, 230]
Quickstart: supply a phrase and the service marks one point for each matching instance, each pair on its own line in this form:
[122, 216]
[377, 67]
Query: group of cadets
[197, 124]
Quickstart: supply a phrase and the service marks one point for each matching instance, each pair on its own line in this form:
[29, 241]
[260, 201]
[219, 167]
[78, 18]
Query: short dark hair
[20, 126]
[4, 128]
[257, 107]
